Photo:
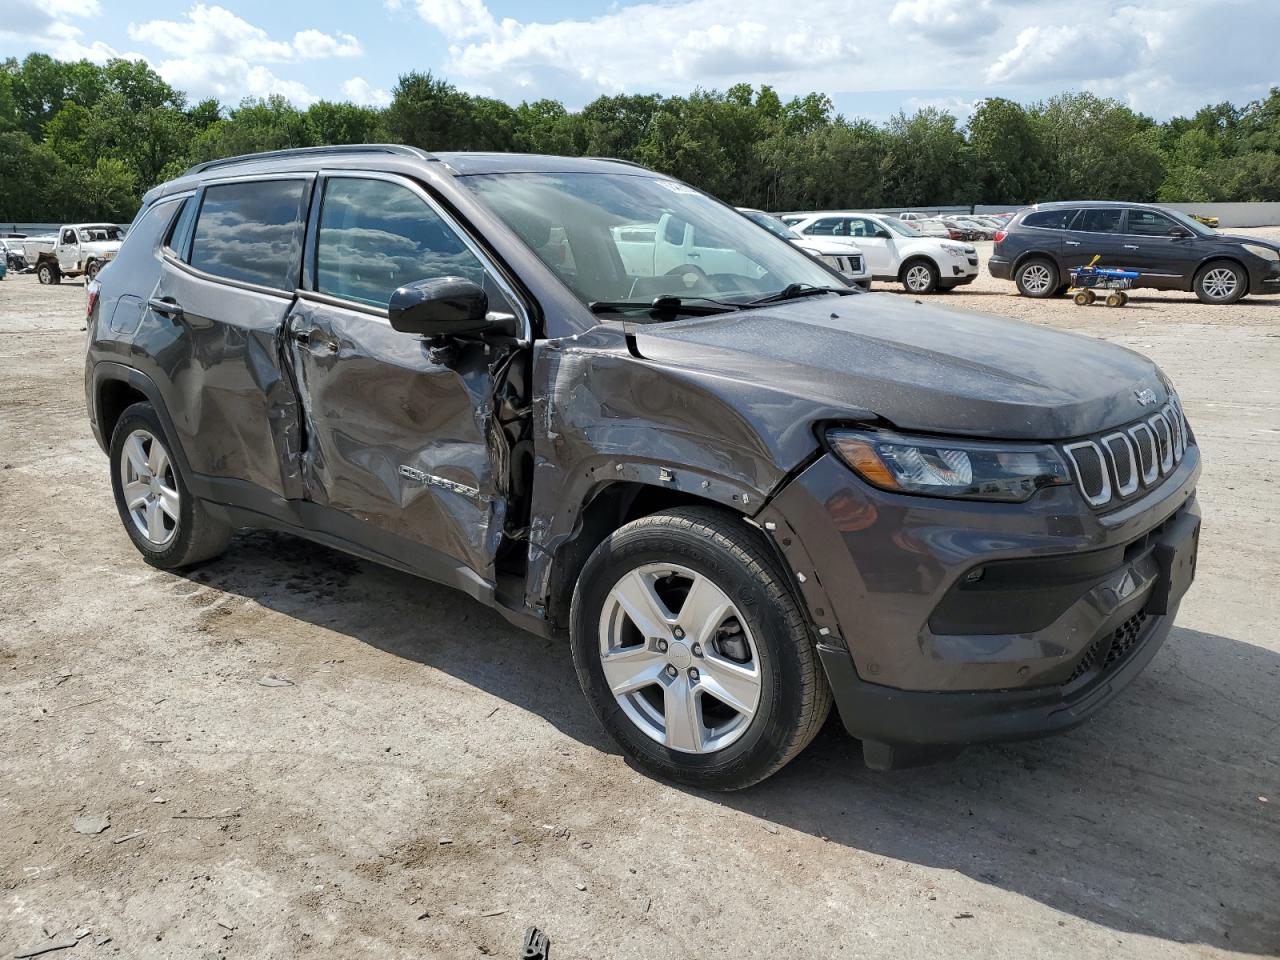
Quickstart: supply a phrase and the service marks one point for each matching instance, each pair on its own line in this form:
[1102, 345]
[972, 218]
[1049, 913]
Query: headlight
[1266, 253]
[956, 251]
[972, 470]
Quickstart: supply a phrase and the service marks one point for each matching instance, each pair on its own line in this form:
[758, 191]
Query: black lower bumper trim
[909, 718]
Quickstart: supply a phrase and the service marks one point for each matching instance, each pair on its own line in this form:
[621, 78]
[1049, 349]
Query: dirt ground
[431, 783]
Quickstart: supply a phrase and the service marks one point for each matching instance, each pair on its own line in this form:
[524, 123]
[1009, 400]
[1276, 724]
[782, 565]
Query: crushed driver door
[401, 454]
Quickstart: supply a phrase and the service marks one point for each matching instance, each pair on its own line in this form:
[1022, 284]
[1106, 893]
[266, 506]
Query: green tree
[1007, 155]
[926, 160]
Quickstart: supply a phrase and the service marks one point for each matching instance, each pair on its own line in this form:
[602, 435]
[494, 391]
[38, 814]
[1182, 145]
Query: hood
[919, 367]
[1255, 241]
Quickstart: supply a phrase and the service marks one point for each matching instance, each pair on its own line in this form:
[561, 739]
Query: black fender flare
[105, 371]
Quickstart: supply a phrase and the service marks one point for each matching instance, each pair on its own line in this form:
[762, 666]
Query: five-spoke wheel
[693, 652]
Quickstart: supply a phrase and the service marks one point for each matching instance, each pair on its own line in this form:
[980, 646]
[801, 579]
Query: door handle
[1131, 246]
[1073, 243]
[166, 307]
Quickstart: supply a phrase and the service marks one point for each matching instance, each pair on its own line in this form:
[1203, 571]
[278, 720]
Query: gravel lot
[431, 782]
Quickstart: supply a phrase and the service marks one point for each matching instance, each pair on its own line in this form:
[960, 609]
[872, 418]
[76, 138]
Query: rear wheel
[91, 271]
[1221, 282]
[692, 651]
[1037, 278]
[919, 276]
[169, 526]
[1083, 298]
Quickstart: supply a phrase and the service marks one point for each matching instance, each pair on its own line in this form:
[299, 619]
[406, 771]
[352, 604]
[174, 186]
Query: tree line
[85, 141]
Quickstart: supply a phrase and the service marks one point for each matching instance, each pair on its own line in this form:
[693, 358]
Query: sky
[872, 57]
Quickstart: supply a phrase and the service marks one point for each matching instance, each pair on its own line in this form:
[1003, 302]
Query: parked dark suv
[739, 487]
[1169, 250]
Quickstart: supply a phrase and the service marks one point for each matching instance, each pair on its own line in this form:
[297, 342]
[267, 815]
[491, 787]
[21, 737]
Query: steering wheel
[685, 270]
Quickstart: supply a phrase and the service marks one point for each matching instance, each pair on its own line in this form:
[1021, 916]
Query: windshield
[770, 223]
[901, 227]
[625, 239]
[1192, 224]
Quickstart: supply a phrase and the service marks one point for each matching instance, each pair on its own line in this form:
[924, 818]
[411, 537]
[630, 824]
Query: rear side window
[1098, 221]
[1053, 219]
[376, 236]
[250, 232]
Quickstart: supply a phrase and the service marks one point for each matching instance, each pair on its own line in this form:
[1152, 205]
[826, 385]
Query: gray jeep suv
[609, 407]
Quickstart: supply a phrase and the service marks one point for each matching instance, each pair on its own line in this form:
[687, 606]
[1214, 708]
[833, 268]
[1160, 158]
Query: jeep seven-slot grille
[1120, 464]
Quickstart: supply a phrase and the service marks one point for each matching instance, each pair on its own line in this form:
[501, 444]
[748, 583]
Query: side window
[68, 236]
[175, 241]
[827, 227]
[376, 236]
[1098, 221]
[673, 232]
[858, 227]
[1052, 219]
[250, 232]
[1148, 223]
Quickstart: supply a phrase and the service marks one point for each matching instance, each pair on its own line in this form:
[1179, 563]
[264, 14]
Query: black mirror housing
[440, 307]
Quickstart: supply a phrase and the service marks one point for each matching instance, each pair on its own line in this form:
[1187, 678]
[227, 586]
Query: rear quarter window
[251, 232]
[1053, 219]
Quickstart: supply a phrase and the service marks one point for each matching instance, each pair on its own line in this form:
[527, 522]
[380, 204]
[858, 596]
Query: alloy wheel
[1220, 283]
[919, 278]
[1036, 278]
[679, 658]
[149, 487]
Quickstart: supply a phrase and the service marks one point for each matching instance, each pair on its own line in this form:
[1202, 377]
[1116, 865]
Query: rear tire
[169, 526]
[91, 271]
[758, 650]
[1038, 278]
[1221, 282]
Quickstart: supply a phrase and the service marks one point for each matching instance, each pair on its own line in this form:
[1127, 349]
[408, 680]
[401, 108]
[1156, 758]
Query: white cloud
[48, 28]
[1170, 56]
[359, 90]
[947, 22]
[214, 52]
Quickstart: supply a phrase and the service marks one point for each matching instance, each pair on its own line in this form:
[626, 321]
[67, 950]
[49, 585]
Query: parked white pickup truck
[76, 249]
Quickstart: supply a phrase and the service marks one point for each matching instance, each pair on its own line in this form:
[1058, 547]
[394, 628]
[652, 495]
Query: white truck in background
[77, 249]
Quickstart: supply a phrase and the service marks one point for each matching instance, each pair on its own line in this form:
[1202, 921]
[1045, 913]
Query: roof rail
[396, 148]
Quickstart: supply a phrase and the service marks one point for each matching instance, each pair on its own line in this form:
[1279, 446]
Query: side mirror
[442, 307]
[1180, 234]
[882, 234]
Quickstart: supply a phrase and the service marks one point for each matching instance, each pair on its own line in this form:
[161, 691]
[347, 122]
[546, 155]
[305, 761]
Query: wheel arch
[911, 258]
[1034, 254]
[1221, 258]
[608, 507]
[115, 387]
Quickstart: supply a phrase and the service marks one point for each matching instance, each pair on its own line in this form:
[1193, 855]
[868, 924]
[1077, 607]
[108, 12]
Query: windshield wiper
[705, 306]
[793, 291]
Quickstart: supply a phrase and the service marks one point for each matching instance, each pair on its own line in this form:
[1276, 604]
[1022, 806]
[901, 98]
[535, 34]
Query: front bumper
[952, 622]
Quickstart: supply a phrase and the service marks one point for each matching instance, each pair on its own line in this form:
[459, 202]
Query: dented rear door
[398, 435]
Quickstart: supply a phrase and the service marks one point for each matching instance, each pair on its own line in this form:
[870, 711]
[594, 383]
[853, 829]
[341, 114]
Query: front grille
[1123, 463]
[1109, 649]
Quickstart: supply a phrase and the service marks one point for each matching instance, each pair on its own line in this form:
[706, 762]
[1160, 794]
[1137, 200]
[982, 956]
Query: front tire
[919, 276]
[1038, 278]
[692, 651]
[168, 525]
[47, 274]
[1221, 282]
